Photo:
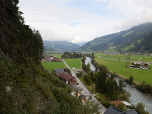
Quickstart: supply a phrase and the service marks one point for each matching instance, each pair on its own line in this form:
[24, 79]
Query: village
[70, 80]
[51, 58]
[78, 92]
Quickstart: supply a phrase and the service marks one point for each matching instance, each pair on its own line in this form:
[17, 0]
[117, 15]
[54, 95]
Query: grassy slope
[114, 65]
[73, 63]
[53, 65]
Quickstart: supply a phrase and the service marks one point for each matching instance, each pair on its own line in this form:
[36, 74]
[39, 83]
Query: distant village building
[77, 90]
[140, 65]
[51, 58]
[68, 79]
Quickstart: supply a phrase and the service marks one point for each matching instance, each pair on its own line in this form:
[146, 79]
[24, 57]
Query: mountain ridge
[61, 46]
[127, 40]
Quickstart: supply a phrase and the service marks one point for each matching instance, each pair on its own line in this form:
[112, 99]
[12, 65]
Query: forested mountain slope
[25, 86]
[137, 39]
[61, 46]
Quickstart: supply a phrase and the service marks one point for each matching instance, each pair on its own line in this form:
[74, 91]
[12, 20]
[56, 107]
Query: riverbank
[137, 96]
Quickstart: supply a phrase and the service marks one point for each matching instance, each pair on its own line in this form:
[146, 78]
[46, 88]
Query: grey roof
[75, 87]
[82, 96]
[59, 70]
[112, 110]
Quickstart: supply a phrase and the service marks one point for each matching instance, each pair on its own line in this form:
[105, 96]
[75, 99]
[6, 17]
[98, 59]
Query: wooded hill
[137, 39]
[25, 86]
[61, 46]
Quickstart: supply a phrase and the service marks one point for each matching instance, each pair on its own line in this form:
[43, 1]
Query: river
[136, 96]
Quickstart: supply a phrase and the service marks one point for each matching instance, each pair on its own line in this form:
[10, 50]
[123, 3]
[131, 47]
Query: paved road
[85, 90]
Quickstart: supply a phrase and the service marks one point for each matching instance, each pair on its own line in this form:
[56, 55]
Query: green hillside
[61, 46]
[138, 39]
[25, 86]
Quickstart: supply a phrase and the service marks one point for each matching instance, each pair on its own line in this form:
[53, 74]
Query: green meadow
[119, 67]
[57, 55]
[138, 58]
[74, 63]
[53, 65]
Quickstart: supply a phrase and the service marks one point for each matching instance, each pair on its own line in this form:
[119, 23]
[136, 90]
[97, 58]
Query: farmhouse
[77, 91]
[140, 65]
[68, 79]
[58, 70]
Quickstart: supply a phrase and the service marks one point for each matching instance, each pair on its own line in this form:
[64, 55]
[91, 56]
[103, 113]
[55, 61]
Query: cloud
[83, 20]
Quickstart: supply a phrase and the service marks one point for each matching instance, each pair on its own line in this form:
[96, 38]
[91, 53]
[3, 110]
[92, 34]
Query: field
[138, 58]
[74, 63]
[57, 55]
[119, 66]
[53, 65]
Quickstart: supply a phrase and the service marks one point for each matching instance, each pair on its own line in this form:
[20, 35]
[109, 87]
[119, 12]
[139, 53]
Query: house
[77, 90]
[82, 97]
[140, 65]
[68, 79]
[58, 70]
[126, 104]
[114, 110]
[117, 102]
[65, 69]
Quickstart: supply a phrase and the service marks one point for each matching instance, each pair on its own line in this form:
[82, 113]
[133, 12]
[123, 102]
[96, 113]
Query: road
[85, 90]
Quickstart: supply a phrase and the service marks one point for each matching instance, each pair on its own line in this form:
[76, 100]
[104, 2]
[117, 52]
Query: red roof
[116, 102]
[68, 77]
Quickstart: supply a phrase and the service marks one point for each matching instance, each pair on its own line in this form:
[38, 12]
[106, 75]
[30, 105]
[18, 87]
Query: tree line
[71, 55]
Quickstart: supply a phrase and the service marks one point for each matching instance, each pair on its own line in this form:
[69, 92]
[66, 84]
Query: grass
[53, 65]
[74, 63]
[139, 74]
[138, 58]
[57, 55]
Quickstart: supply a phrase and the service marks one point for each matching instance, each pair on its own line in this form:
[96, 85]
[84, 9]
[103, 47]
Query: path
[85, 90]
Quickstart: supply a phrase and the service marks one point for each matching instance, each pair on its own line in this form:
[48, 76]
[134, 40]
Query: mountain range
[137, 38]
[61, 46]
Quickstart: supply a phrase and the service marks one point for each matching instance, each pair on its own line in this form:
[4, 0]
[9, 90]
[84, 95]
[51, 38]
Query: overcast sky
[83, 20]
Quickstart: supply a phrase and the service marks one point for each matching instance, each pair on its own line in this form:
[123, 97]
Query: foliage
[140, 108]
[145, 88]
[107, 104]
[68, 70]
[131, 79]
[121, 106]
[121, 84]
[71, 55]
[88, 80]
